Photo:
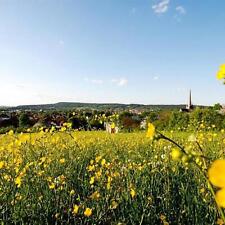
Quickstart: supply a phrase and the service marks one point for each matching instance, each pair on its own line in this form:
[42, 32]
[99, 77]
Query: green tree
[24, 120]
[217, 106]
[179, 120]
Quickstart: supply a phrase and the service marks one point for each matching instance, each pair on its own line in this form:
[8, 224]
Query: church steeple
[189, 105]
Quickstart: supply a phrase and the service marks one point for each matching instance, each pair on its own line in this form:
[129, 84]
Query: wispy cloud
[181, 10]
[94, 81]
[97, 81]
[155, 77]
[120, 82]
[61, 42]
[161, 7]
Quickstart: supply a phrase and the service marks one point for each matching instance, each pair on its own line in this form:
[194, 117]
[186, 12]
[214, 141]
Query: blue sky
[128, 51]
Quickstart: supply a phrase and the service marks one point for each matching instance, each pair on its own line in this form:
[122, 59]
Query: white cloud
[120, 82]
[94, 81]
[161, 7]
[181, 10]
[97, 81]
[155, 77]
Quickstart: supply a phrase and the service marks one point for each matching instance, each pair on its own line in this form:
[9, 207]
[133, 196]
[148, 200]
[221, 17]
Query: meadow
[71, 177]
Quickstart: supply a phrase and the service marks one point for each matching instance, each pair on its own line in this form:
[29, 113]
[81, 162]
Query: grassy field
[97, 178]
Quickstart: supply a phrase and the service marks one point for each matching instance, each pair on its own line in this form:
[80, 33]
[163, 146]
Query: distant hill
[93, 106]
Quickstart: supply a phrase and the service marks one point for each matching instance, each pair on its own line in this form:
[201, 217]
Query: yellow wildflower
[221, 73]
[184, 159]
[220, 197]
[11, 132]
[103, 162]
[91, 168]
[114, 204]
[108, 186]
[6, 177]
[98, 174]
[2, 163]
[132, 193]
[62, 161]
[92, 180]
[75, 209]
[63, 129]
[18, 181]
[220, 222]
[98, 158]
[217, 173]
[176, 154]
[95, 195]
[52, 186]
[88, 212]
[151, 131]
[222, 67]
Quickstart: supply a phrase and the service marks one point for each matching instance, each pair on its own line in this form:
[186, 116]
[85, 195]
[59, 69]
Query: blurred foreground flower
[151, 131]
[216, 175]
[176, 154]
[221, 73]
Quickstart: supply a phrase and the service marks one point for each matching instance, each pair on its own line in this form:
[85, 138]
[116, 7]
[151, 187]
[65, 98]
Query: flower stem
[221, 212]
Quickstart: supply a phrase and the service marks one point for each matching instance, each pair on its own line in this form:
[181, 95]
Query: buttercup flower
[88, 212]
[220, 197]
[217, 173]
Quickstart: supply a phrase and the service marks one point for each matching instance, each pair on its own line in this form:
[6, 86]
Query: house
[111, 128]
